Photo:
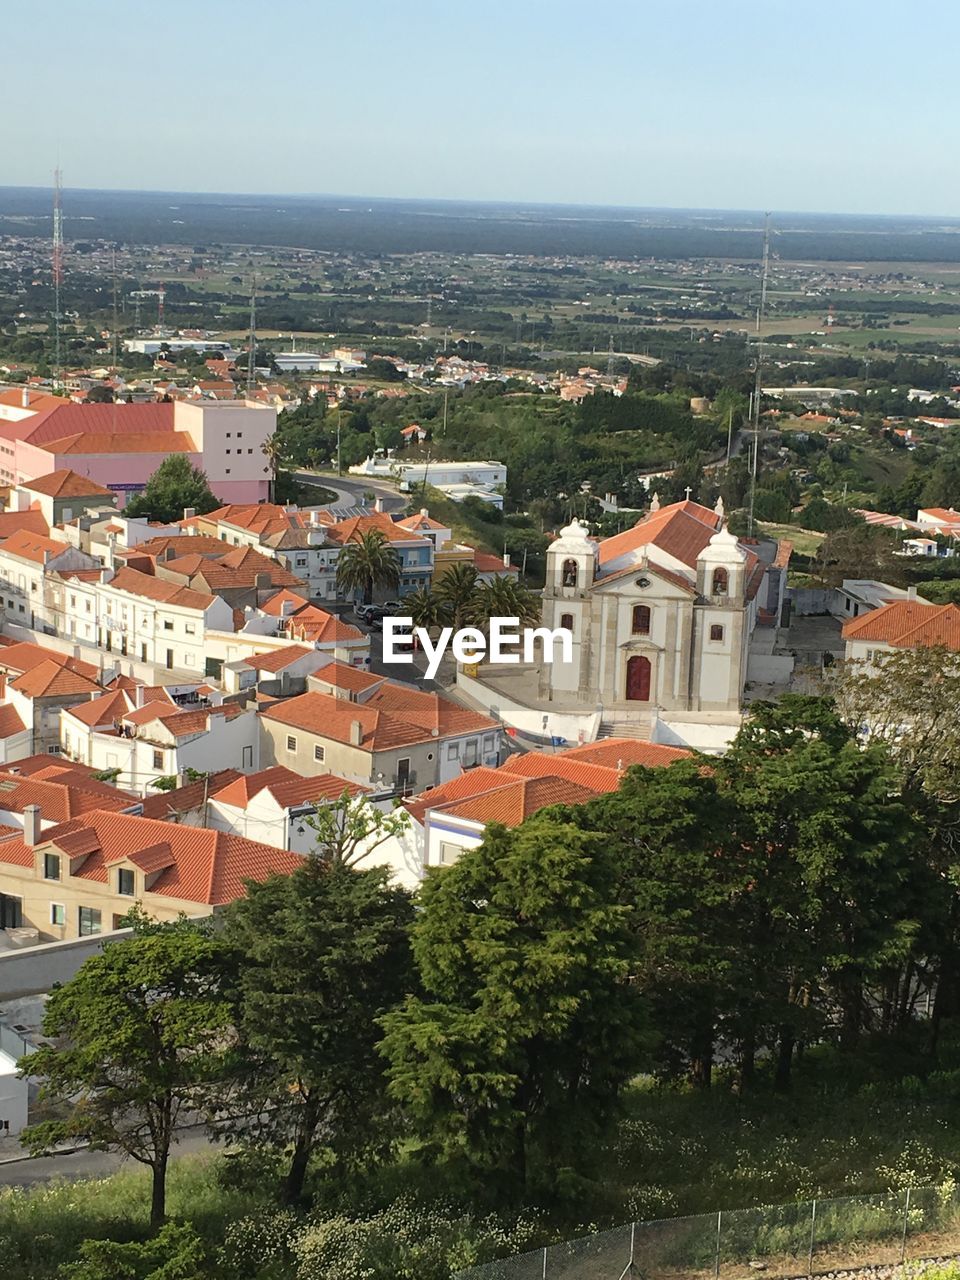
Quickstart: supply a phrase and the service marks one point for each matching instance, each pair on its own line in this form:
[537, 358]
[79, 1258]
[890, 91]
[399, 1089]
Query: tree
[503, 597]
[861, 551]
[367, 562]
[138, 1038]
[424, 608]
[351, 829]
[826, 845]
[272, 450]
[319, 957]
[515, 1056]
[176, 1252]
[100, 394]
[175, 485]
[455, 592]
[911, 705]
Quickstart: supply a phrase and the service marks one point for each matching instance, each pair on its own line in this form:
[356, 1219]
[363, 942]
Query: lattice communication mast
[252, 353]
[57, 264]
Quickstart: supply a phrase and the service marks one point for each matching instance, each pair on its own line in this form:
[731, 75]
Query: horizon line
[491, 202]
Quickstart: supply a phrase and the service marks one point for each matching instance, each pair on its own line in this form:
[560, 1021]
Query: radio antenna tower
[57, 272]
[160, 294]
[116, 321]
[252, 353]
[610, 358]
[758, 379]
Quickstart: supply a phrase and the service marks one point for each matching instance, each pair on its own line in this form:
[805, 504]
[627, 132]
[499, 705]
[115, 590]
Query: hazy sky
[780, 104]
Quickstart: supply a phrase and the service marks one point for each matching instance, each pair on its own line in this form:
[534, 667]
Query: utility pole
[339, 468]
[446, 393]
[115, 320]
[729, 434]
[57, 272]
[758, 380]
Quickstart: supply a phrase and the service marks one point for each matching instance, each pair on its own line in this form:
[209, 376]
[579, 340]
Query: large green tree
[368, 562]
[175, 485]
[514, 1057]
[137, 1036]
[318, 958]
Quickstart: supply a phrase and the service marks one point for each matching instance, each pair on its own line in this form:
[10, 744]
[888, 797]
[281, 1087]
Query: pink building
[121, 445]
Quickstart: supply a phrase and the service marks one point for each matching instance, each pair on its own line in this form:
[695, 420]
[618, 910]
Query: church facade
[661, 616]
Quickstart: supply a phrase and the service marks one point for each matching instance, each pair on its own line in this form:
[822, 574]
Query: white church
[661, 617]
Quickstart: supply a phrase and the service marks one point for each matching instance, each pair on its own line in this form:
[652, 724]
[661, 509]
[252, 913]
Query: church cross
[688, 492]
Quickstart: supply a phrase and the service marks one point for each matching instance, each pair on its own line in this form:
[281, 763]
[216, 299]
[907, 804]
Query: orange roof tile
[10, 722]
[65, 483]
[34, 547]
[208, 868]
[518, 799]
[143, 584]
[621, 753]
[905, 624]
[341, 676]
[60, 799]
[277, 659]
[166, 804]
[51, 680]
[289, 789]
[27, 521]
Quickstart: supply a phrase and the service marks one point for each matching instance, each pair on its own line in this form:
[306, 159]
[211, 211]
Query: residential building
[453, 817]
[61, 496]
[161, 739]
[391, 737]
[83, 876]
[120, 445]
[856, 596]
[902, 624]
[415, 550]
[26, 560]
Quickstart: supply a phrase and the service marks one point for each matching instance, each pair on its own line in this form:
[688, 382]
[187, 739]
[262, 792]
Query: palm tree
[424, 608]
[455, 592]
[503, 598]
[271, 451]
[366, 562]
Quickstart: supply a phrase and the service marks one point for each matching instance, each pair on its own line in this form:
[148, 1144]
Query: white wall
[573, 727]
[13, 1096]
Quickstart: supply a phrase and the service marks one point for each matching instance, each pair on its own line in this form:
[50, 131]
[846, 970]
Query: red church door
[638, 679]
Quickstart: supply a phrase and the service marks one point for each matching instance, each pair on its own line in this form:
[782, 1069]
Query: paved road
[88, 1164]
[350, 489]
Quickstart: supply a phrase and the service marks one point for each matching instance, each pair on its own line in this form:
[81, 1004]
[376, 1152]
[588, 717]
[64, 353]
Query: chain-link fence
[784, 1240]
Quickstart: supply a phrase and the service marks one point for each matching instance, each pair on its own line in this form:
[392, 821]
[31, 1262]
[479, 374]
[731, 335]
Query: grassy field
[806, 541]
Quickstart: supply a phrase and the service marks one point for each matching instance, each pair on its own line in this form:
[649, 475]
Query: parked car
[392, 606]
[364, 611]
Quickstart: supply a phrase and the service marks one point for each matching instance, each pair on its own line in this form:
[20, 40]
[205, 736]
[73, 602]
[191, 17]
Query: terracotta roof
[52, 680]
[624, 752]
[905, 624]
[89, 442]
[417, 523]
[600, 778]
[65, 483]
[143, 584]
[289, 789]
[60, 798]
[165, 804]
[486, 563]
[682, 530]
[274, 606]
[342, 676]
[394, 721]
[114, 706]
[517, 799]
[63, 418]
[10, 722]
[44, 765]
[351, 530]
[472, 782]
[27, 521]
[182, 545]
[24, 657]
[208, 868]
[34, 547]
[238, 567]
[277, 659]
[318, 626]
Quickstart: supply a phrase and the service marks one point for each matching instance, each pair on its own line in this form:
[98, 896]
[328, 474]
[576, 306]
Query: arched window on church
[641, 619]
[569, 573]
[721, 582]
[566, 621]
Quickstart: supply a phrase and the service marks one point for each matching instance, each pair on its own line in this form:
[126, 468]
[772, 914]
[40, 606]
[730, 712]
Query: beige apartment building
[83, 876]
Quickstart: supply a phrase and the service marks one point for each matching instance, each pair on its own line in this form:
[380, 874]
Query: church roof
[682, 530]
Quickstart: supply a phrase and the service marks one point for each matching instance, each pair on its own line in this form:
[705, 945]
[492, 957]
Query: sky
[797, 105]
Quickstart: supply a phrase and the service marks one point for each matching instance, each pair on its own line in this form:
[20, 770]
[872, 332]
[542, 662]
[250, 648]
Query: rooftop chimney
[31, 824]
[425, 511]
[378, 504]
[356, 733]
[262, 582]
[189, 513]
[506, 559]
[911, 593]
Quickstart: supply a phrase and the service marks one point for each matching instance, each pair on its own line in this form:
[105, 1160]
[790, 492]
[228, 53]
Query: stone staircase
[615, 728]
